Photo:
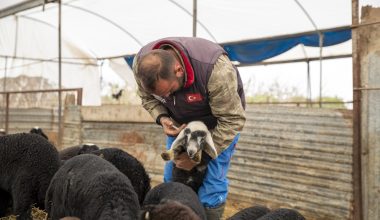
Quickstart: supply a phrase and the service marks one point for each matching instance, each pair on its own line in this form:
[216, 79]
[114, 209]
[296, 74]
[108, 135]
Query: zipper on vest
[174, 100]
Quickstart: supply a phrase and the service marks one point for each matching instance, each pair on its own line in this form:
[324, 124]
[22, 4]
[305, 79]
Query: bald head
[157, 64]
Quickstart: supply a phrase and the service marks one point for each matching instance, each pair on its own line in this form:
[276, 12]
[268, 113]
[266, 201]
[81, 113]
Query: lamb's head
[196, 142]
[193, 139]
[168, 210]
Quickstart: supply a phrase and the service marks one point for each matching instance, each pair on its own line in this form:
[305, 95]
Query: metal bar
[52, 60]
[107, 20]
[295, 60]
[305, 102]
[195, 18]
[79, 98]
[308, 84]
[356, 151]
[320, 68]
[199, 22]
[59, 72]
[45, 90]
[365, 88]
[5, 74]
[289, 35]
[22, 7]
[6, 112]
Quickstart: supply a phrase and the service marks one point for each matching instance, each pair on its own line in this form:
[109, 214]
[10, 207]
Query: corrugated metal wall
[295, 157]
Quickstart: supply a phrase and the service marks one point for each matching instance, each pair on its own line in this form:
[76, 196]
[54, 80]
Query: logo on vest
[193, 97]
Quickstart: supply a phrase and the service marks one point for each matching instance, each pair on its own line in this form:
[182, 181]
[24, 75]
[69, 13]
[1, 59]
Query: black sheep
[129, 166]
[194, 177]
[172, 201]
[89, 187]
[70, 152]
[251, 213]
[282, 214]
[27, 164]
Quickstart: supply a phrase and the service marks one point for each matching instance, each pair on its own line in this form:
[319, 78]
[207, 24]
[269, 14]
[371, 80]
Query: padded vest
[192, 101]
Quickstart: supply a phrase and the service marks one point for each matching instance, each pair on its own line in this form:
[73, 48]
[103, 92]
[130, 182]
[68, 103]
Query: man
[183, 79]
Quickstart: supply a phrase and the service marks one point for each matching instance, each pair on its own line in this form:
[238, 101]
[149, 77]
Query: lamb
[27, 164]
[70, 152]
[39, 131]
[129, 166]
[89, 187]
[193, 139]
[172, 201]
[263, 213]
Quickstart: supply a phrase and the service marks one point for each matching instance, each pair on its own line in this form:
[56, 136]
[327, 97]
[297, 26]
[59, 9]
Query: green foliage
[277, 94]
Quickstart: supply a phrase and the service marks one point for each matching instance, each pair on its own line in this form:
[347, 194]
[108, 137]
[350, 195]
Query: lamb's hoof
[197, 157]
[165, 156]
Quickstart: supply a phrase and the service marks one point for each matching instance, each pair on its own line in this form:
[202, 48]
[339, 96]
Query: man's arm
[225, 103]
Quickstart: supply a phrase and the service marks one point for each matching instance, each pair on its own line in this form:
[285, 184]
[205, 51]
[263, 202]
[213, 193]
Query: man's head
[160, 72]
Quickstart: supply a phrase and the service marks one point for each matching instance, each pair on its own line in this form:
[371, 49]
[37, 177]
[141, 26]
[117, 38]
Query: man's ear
[179, 71]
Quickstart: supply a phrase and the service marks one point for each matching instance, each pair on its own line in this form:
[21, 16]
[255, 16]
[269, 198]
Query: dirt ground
[230, 210]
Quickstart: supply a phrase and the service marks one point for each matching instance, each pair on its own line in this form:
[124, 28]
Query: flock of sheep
[85, 182]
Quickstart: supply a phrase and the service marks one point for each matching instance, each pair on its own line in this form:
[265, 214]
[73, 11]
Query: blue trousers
[214, 189]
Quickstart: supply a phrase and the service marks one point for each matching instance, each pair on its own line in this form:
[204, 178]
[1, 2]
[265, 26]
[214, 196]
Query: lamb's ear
[180, 139]
[210, 147]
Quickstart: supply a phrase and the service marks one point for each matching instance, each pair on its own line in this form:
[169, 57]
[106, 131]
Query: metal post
[6, 113]
[194, 18]
[320, 68]
[308, 84]
[59, 72]
[356, 154]
[5, 74]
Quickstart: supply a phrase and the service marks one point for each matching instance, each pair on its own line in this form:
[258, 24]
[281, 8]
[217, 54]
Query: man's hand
[184, 162]
[169, 127]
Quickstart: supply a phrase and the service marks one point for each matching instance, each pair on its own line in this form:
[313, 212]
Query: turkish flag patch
[193, 97]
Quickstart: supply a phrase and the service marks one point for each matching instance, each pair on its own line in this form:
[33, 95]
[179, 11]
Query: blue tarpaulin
[253, 51]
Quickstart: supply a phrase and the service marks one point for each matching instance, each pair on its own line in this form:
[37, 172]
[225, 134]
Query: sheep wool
[172, 201]
[27, 164]
[89, 187]
[70, 152]
[129, 166]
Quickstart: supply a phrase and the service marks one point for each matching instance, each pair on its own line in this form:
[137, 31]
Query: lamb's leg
[197, 157]
[167, 155]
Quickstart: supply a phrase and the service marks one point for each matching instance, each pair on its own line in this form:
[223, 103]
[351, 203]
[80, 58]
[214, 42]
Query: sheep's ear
[147, 215]
[210, 147]
[181, 138]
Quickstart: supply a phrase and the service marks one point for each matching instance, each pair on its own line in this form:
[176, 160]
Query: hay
[10, 217]
[37, 214]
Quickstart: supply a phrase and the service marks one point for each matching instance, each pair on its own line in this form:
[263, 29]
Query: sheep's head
[168, 210]
[194, 139]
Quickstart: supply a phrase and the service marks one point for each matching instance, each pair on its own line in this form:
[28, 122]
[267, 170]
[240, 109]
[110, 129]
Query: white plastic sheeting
[101, 29]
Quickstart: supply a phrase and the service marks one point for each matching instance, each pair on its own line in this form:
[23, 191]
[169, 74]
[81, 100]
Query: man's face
[165, 87]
